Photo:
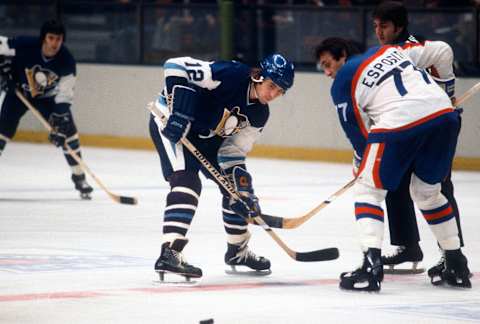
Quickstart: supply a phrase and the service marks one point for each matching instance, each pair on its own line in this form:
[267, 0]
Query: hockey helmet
[279, 70]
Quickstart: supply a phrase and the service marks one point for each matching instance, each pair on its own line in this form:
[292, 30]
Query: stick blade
[127, 200]
[318, 255]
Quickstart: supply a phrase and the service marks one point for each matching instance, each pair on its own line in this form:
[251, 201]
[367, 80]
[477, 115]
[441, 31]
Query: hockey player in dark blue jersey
[221, 107]
[45, 71]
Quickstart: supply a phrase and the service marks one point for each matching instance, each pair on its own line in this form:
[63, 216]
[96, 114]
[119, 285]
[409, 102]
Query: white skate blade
[173, 280]
[390, 269]
[249, 272]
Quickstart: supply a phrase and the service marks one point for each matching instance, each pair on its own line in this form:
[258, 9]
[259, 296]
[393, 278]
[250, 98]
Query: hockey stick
[117, 198]
[470, 92]
[289, 223]
[312, 256]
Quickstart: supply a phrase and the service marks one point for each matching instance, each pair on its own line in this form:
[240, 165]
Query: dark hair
[54, 27]
[393, 11]
[337, 47]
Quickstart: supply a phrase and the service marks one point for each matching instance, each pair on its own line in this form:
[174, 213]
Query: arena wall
[110, 100]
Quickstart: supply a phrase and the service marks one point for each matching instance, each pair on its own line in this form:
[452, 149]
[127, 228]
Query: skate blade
[248, 273]
[85, 196]
[187, 278]
[403, 271]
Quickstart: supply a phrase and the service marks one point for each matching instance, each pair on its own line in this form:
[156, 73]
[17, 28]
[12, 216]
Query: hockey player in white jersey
[412, 125]
[390, 22]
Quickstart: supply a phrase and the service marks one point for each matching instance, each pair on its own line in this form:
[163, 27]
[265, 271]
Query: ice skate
[404, 254]
[366, 278]
[455, 271]
[240, 255]
[435, 272]
[82, 186]
[171, 261]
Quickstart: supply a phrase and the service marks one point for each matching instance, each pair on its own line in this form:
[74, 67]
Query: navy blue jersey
[40, 77]
[223, 107]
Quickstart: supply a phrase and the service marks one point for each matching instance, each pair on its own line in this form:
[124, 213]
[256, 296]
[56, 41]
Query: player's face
[267, 91]
[51, 44]
[386, 31]
[329, 64]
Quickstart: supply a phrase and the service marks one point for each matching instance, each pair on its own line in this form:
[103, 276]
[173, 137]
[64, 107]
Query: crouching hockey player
[221, 107]
[412, 126]
[44, 70]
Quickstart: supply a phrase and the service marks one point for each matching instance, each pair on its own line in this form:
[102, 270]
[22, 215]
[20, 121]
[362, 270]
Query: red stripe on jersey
[440, 214]
[409, 45]
[365, 155]
[355, 78]
[368, 210]
[415, 123]
[376, 166]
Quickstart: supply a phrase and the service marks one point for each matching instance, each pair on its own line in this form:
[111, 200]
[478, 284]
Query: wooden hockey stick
[469, 93]
[312, 256]
[83, 165]
[290, 223]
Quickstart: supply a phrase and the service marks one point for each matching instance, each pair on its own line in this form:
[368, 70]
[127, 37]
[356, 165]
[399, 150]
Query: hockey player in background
[390, 21]
[221, 107]
[45, 72]
[412, 126]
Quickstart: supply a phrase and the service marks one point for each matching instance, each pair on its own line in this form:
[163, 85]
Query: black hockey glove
[177, 127]
[62, 125]
[248, 205]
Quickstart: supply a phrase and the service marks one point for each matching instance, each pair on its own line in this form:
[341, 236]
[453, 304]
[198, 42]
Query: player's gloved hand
[177, 127]
[57, 139]
[248, 205]
[357, 160]
[61, 125]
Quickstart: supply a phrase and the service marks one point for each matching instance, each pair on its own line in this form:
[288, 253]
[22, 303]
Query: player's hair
[393, 11]
[337, 47]
[54, 27]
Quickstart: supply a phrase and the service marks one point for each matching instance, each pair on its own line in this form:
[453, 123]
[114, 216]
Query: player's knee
[424, 194]
[368, 194]
[186, 179]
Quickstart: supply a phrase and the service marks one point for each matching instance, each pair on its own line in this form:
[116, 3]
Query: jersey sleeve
[234, 149]
[354, 121]
[187, 70]
[64, 91]
[7, 47]
[434, 55]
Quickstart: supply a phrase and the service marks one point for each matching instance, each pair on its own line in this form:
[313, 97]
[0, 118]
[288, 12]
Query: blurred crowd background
[147, 32]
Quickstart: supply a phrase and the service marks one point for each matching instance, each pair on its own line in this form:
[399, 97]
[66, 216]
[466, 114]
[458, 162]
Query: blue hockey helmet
[279, 70]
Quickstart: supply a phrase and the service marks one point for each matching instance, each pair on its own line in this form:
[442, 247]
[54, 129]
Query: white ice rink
[63, 260]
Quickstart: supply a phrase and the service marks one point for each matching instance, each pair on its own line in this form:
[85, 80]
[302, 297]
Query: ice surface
[64, 260]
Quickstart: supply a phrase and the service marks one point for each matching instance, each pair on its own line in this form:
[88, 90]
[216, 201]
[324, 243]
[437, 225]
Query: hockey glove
[357, 160]
[183, 106]
[177, 127]
[247, 206]
[61, 126]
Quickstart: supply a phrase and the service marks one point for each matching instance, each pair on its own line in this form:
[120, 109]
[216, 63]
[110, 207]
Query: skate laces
[179, 256]
[245, 254]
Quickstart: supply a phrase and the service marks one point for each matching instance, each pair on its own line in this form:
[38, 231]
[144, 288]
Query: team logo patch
[232, 122]
[39, 80]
